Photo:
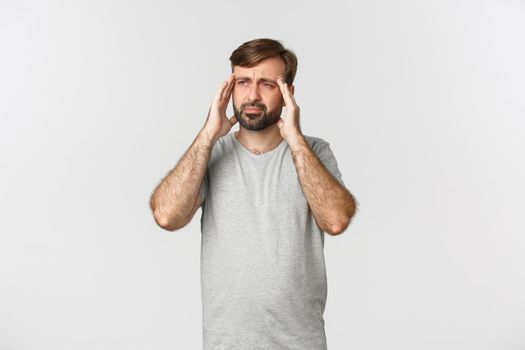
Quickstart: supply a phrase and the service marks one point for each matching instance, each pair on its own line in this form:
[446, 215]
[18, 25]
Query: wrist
[296, 140]
[206, 138]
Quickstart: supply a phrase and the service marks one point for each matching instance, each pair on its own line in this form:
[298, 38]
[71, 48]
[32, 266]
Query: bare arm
[332, 204]
[176, 199]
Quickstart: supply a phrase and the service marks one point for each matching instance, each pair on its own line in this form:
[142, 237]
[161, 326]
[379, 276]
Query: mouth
[252, 110]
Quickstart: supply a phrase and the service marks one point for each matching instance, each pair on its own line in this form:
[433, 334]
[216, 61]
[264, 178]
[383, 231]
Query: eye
[240, 82]
[268, 85]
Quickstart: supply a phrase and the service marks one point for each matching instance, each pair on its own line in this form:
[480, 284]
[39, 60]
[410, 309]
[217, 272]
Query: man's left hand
[289, 127]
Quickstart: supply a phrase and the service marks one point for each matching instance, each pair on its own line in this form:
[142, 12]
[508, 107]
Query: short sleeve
[204, 188]
[327, 157]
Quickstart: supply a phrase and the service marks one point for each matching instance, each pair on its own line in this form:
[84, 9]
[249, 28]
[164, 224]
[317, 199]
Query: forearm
[173, 199]
[331, 203]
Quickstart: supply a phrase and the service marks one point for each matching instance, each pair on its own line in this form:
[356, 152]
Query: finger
[280, 84]
[289, 91]
[227, 91]
[233, 120]
[284, 90]
[230, 90]
[290, 95]
[218, 95]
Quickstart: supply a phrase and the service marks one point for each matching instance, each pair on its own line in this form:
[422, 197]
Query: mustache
[253, 105]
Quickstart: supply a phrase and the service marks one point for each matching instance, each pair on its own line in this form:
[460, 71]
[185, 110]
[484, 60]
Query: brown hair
[254, 51]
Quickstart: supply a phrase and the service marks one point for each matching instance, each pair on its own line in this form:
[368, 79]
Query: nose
[253, 94]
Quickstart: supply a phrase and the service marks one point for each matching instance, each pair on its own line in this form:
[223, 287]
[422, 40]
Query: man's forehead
[254, 71]
[254, 75]
[269, 68]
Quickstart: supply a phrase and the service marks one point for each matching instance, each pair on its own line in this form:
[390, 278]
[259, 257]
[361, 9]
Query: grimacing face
[257, 88]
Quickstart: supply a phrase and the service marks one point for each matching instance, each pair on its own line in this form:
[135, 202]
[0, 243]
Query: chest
[267, 187]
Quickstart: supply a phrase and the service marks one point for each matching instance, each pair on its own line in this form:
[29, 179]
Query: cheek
[279, 97]
[235, 98]
[238, 94]
[276, 99]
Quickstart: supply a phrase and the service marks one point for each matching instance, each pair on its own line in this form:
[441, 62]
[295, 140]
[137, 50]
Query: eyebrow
[262, 79]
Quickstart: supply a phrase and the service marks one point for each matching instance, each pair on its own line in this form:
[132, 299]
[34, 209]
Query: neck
[259, 141]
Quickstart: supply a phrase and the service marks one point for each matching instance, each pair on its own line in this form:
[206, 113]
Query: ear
[292, 87]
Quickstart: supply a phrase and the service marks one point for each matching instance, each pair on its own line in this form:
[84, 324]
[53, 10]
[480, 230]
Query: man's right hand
[217, 124]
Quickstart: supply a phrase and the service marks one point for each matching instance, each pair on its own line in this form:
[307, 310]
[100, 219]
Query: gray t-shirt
[263, 274]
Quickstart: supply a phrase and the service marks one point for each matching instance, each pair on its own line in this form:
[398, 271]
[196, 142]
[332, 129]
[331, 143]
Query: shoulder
[225, 140]
[317, 143]
[224, 144]
[222, 150]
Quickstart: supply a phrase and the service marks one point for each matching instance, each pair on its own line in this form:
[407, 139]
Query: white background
[421, 101]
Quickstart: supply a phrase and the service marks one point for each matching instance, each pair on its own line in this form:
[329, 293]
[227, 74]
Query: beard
[256, 121]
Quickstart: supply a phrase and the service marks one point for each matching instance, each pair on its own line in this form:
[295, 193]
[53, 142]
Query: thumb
[280, 122]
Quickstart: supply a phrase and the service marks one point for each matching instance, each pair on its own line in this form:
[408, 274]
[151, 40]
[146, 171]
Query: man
[267, 194]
